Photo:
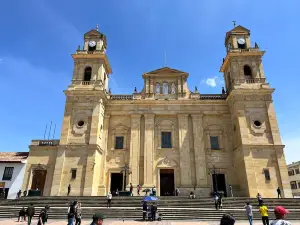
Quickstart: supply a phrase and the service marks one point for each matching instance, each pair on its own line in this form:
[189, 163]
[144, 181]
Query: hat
[279, 210]
[98, 215]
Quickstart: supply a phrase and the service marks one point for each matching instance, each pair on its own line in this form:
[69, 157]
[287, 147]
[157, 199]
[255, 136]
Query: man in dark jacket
[43, 216]
[30, 213]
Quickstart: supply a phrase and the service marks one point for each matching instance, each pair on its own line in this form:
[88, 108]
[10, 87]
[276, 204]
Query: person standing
[144, 210]
[69, 189]
[43, 216]
[153, 211]
[280, 214]
[131, 189]
[279, 192]
[264, 214]
[259, 199]
[138, 189]
[249, 212]
[177, 192]
[216, 200]
[109, 197]
[30, 213]
[71, 213]
[98, 219]
[220, 202]
[78, 214]
[154, 190]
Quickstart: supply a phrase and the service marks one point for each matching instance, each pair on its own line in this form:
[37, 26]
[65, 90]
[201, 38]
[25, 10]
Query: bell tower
[257, 147]
[83, 122]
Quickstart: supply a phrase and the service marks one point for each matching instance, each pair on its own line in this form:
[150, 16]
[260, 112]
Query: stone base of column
[102, 190]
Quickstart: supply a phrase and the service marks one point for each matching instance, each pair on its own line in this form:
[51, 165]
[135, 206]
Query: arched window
[157, 88]
[87, 74]
[165, 88]
[247, 72]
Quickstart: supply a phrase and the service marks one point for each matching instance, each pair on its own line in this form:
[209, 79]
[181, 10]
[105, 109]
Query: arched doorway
[39, 179]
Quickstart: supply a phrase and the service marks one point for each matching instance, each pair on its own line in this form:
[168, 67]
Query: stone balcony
[250, 81]
[87, 83]
[244, 50]
[85, 52]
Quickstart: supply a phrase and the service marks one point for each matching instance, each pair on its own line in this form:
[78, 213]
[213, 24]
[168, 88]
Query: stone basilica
[166, 135]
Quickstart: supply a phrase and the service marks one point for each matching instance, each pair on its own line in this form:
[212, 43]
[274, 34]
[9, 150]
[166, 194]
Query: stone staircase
[178, 208]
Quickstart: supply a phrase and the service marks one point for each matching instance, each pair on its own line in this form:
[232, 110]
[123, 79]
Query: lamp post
[214, 171]
[127, 171]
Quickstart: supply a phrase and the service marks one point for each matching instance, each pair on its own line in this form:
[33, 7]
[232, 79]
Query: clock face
[241, 41]
[92, 43]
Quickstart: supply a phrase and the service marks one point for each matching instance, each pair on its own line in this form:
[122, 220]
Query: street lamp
[127, 171]
[214, 171]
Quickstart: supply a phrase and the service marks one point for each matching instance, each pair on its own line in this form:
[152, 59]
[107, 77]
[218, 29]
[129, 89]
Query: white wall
[15, 184]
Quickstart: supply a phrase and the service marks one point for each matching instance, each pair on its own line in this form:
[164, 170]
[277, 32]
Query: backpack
[227, 219]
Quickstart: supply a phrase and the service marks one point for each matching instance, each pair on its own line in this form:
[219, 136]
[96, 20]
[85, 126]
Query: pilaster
[102, 183]
[149, 150]
[184, 149]
[95, 124]
[135, 149]
[200, 157]
[58, 172]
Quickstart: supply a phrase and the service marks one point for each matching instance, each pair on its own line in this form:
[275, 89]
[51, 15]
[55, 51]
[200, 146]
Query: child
[280, 214]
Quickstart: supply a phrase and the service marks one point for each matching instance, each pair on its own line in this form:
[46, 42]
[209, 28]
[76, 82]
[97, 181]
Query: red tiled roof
[13, 157]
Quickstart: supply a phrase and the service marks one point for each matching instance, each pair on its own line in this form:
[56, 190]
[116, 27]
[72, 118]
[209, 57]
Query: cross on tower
[234, 23]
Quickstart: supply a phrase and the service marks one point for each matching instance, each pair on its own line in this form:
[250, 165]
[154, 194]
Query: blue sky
[38, 36]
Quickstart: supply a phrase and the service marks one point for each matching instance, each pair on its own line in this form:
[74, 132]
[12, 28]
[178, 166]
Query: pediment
[239, 29]
[166, 163]
[93, 33]
[165, 70]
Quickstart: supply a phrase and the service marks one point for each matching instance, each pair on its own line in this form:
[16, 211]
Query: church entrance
[167, 185]
[219, 181]
[38, 180]
[116, 182]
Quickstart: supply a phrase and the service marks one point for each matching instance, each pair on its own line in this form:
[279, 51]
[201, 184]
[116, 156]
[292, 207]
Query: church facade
[166, 135]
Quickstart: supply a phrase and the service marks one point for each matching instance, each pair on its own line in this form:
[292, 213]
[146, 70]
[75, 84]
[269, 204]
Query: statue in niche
[165, 88]
[157, 88]
[173, 88]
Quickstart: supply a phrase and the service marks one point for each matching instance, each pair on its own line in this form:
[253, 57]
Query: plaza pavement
[130, 222]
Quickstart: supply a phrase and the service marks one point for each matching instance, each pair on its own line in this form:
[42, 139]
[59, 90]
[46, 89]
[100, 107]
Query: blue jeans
[71, 221]
[250, 219]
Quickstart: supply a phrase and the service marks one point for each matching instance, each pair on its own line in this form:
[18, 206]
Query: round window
[257, 123]
[80, 123]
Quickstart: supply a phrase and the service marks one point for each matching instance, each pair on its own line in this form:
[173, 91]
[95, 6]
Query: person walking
[249, 212]
[69, 189]
[216, 200]
[43, 216]
[279, 192]
[220, 201]
[138, 188]
[153, 211]
[22, 215]
[71, 212]
[264, 214]
[131, 189]
[280, 214]
[30, 213]
[98, 219]
[78, 214]
[109, 197]
[259, 199]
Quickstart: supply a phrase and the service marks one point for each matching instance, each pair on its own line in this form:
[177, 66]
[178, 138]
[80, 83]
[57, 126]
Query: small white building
[12, 168]
[294, 175]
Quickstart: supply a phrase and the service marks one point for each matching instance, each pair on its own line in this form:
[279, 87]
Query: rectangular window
[214, 142]
[74, 172]
[297, 171]
[267, 174]
[8, 172]
[166, 140]
[293, 185]
[291, 172]
[119, 144]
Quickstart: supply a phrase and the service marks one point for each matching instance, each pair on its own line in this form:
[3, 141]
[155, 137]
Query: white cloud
[213, 81]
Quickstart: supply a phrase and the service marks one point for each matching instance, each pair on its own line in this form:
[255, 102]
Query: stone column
[58, 172]
[184, 149]
[149, 150]
[200, 157]
[135, 149]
